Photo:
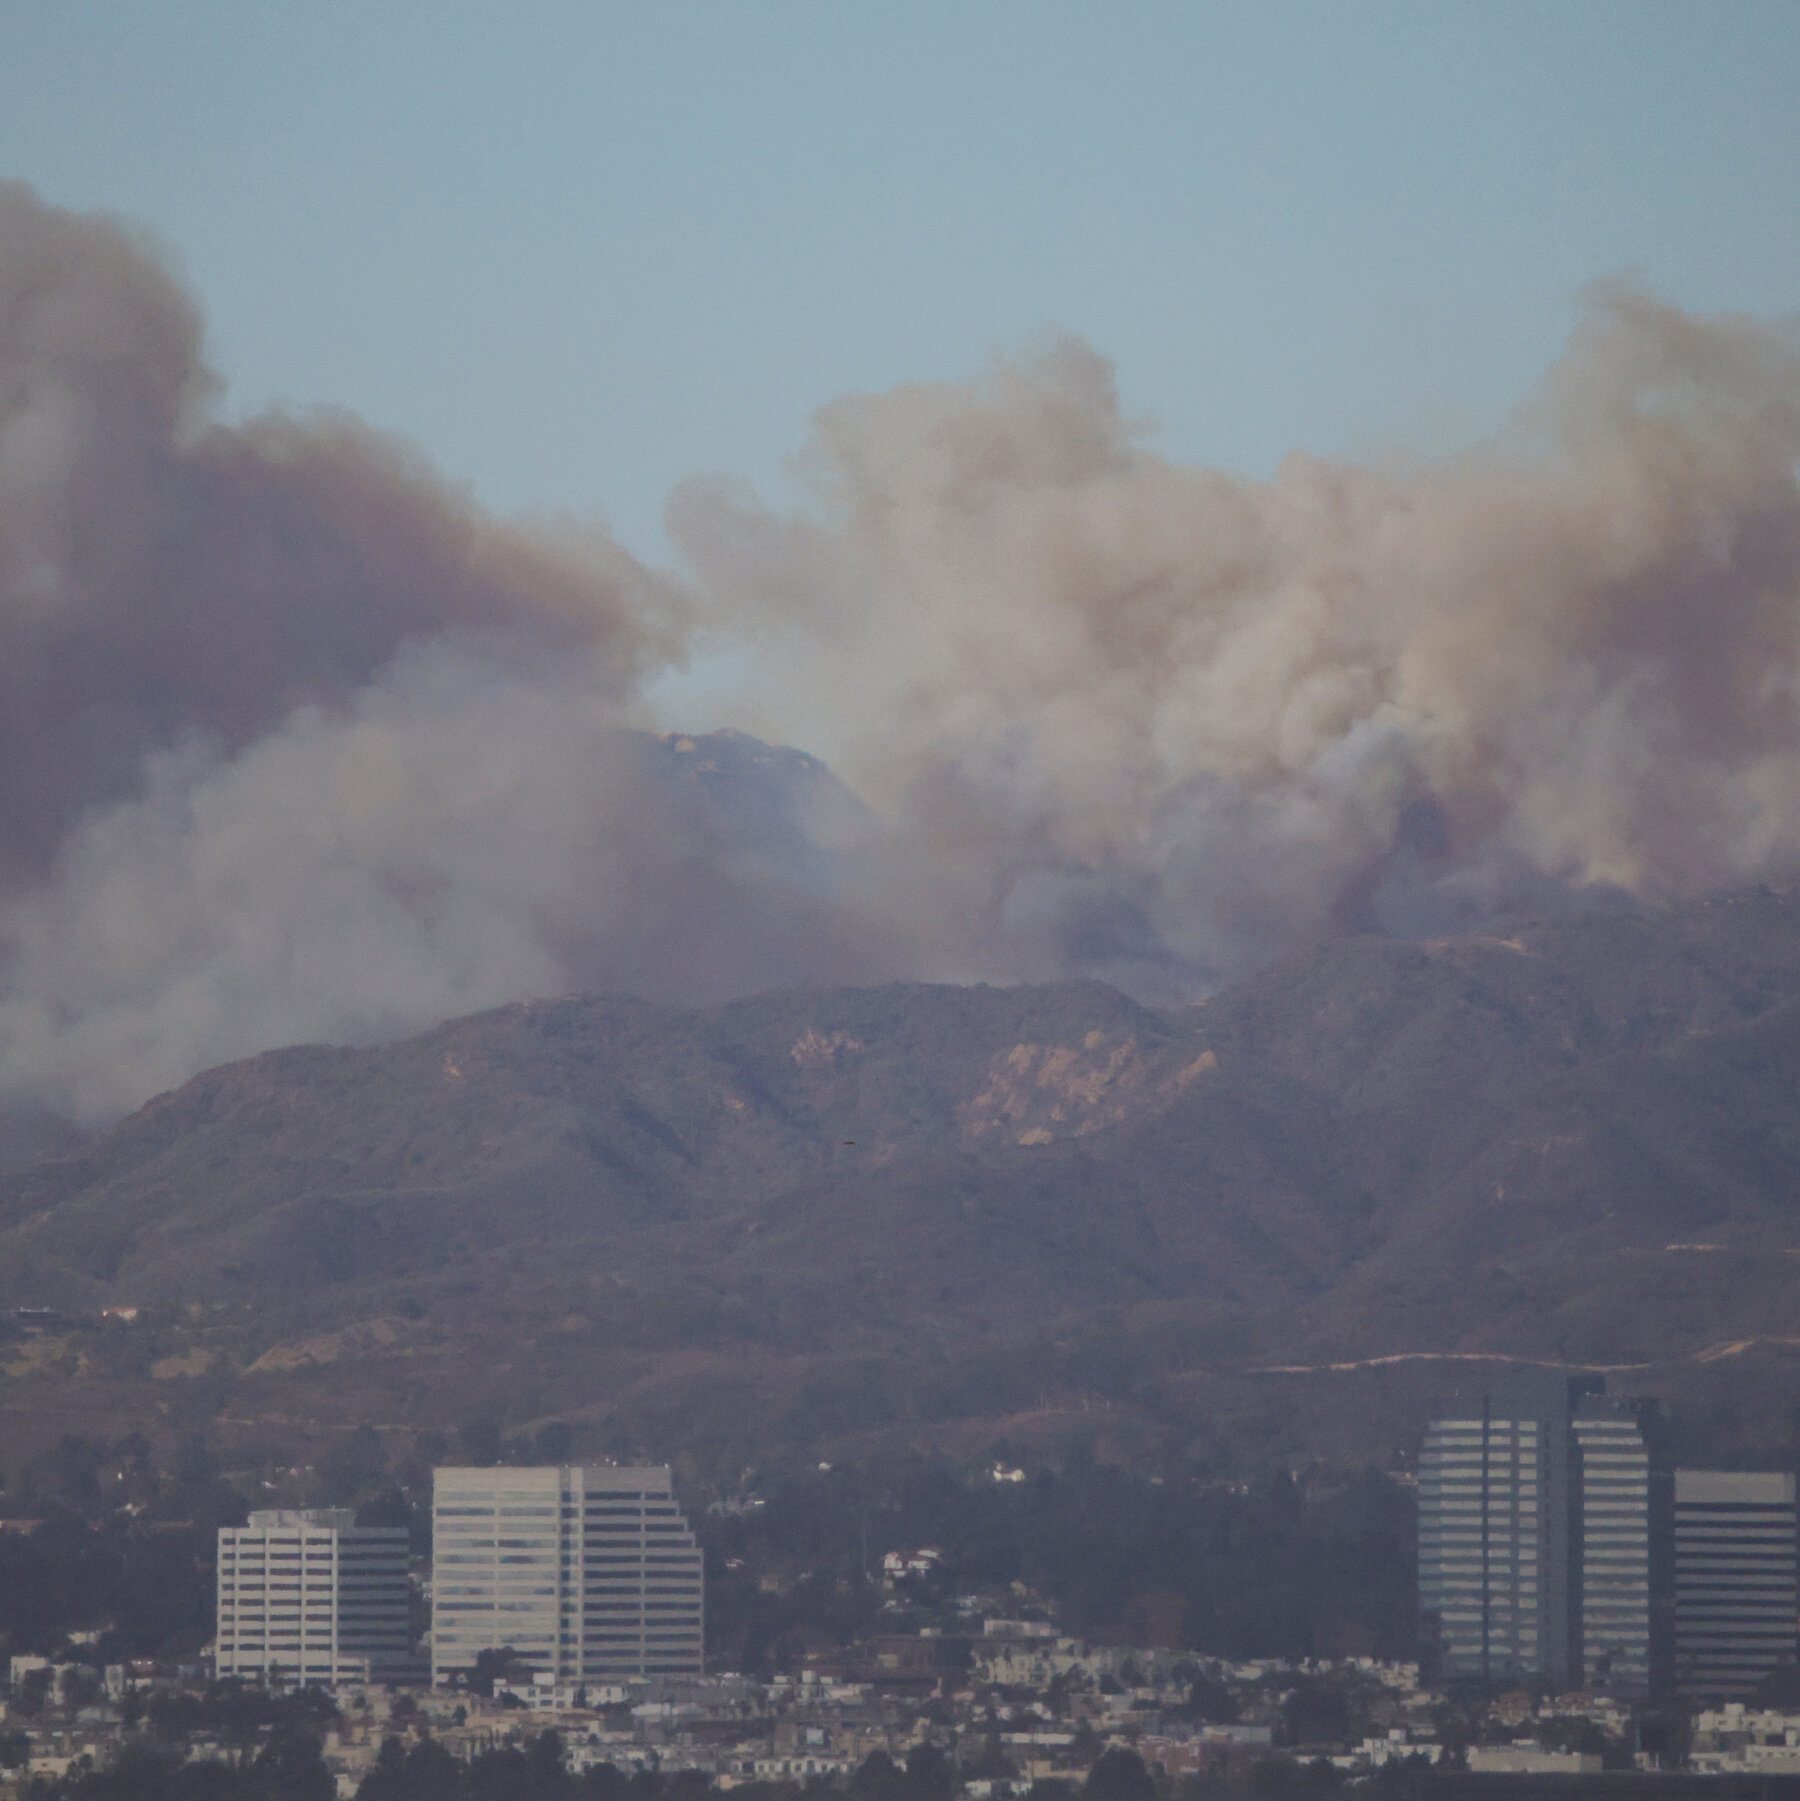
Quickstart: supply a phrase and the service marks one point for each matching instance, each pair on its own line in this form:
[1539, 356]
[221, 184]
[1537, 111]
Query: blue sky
[578, 251]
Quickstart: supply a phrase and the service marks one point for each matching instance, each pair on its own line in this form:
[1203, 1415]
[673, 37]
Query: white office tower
[1612, 1548]
[1487, 1541]
[312, 1597]
[590, 1574]
[1734, 1580]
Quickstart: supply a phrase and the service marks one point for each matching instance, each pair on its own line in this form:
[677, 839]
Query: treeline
[118, 1546]
[284, 1769]
[293, 1769]
[147, 1588]
[1319, 1564]
[121, 1546]
[1314, 1564]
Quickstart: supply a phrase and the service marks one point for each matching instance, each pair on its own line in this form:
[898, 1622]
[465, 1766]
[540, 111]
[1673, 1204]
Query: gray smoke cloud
[1161, 723]
[162, 576]
[295, 743]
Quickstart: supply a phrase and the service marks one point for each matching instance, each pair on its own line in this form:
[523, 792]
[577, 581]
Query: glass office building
[1492, 1488]
[590, 1574]
[1611, 1579]
[1535, 1537]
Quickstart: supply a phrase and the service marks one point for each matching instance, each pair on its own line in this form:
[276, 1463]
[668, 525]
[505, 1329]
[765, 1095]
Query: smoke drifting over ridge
[1168, 723]
[295, 743]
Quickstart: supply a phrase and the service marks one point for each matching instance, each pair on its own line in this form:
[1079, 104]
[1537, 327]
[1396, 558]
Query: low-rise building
[1526, 1757]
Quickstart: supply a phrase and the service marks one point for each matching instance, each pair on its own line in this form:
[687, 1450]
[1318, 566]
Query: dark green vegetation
[270, 1743]
[1032, 1224]
[147, 1589]
[1314, 1565]
[288, 1768]
[286, 1765]
[1284, 1567]
[120, 1548]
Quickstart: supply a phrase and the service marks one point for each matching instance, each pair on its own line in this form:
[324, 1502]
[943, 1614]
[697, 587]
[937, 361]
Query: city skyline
[1557, 1541]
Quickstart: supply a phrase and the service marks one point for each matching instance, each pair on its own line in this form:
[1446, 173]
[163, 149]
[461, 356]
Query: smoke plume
[295, 743]
[1163, 724]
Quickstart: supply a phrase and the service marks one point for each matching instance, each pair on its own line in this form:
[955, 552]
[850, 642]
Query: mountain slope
[919, 1209]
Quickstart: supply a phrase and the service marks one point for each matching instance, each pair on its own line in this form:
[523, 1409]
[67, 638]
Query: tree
[930, 1775]
[350, 1468]
[78, 1472]
[989, 1762]
[1780, 1689]
[877, 1778]
[386, 1780]
[1572, 1732]
[425, 1773]
[1209, 1700]
[1281, 1776]
[289, 1768]
[138, 1772]
[555, 1443]
[80, 1688]
[544, 1763]
[195, 1465]
[33, 1694]
[1118, 1775]
[1315, 1712]
[501, 1669]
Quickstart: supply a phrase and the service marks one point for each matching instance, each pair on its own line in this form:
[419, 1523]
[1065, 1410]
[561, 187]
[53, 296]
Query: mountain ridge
[814, 1216]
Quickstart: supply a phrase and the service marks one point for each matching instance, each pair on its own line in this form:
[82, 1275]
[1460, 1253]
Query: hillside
[993, 1220]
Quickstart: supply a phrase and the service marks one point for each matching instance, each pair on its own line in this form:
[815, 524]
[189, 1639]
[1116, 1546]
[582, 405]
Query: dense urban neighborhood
[1544, 1601]
[1012, 1708]
[920, 1692]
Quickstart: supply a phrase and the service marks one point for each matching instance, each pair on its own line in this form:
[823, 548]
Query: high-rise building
[1610, 1547]
[310, 1596]
[1493, 1550]
[589, 1574]
[1735, 1599]
[1534, 1537]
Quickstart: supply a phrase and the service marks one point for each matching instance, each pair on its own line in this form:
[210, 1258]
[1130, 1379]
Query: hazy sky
[578, 251]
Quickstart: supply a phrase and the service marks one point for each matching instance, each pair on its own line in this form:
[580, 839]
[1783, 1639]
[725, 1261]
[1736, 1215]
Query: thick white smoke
[295, 744]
